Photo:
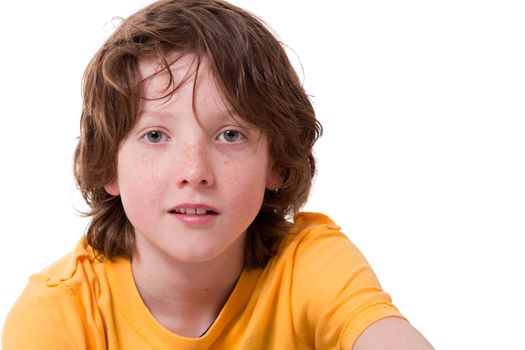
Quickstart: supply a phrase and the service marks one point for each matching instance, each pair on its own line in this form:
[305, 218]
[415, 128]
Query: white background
[422, 161]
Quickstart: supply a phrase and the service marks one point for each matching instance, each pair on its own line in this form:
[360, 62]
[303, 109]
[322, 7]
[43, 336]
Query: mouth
[193, 211]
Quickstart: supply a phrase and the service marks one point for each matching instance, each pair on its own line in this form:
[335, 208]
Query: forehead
[186, 75]
[187, 79]
[156, 77]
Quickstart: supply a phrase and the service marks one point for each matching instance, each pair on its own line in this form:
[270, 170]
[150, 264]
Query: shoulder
[306, 221]
[335, 294]
[316, 244]
[77, 275]
[316, 236]
[324, 265]
[309, 226]
[80, 260]
[52, 309]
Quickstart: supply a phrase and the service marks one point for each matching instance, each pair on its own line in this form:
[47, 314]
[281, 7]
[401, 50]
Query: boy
[195, 152]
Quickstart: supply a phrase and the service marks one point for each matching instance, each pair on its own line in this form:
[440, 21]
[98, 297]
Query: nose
[195, 168]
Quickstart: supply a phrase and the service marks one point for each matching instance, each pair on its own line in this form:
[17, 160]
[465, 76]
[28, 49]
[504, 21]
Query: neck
[187, 297]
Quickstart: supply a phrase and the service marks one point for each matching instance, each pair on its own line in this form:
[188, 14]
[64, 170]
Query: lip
[194, 219]
[194, 206]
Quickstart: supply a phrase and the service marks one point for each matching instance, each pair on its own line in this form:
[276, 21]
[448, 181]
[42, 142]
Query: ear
[112, 188]
[274, 179]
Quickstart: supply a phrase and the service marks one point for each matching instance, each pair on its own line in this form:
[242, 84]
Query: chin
[197, 256]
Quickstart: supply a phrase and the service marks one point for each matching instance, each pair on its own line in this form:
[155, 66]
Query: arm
[391, 333]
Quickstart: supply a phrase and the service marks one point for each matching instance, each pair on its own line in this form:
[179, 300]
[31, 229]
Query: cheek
[140, 183]
[136, 175]
[245, 184]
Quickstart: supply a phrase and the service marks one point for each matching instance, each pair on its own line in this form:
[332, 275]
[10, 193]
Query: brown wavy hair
[257, 80]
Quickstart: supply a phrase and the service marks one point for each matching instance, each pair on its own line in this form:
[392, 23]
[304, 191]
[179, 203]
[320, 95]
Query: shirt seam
[71, 296]
[346, 329]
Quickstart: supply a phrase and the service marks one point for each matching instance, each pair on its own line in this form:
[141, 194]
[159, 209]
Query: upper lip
[194, 206]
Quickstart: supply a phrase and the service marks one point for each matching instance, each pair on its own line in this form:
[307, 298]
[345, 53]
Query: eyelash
[239, 134]
[149, 133]
[221, 137]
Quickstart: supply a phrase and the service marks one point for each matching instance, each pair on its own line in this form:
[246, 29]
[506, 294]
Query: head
[256, 79]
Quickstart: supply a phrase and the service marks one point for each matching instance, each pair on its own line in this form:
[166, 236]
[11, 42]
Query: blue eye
[154, 136]
[231, 136]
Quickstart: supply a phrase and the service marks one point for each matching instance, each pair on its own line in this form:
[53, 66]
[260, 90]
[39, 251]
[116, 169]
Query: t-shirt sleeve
[335, 295]
[46, 317]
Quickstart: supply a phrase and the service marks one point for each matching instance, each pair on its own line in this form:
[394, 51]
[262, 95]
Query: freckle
[205, 289]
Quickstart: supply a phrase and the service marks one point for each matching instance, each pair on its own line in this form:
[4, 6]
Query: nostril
[189, 182]
[195, 174]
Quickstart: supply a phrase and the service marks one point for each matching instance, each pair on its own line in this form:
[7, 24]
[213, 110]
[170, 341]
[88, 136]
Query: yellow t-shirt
[318, 293]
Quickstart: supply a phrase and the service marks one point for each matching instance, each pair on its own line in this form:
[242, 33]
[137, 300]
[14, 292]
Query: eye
[155, 136]
[231, 136]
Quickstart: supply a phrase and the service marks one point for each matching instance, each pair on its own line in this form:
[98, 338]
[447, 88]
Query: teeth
[191, 211]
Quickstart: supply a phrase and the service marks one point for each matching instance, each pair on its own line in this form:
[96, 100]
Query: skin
[185, 267]
[392, 333]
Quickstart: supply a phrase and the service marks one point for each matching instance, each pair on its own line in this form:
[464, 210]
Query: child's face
[169, 164]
